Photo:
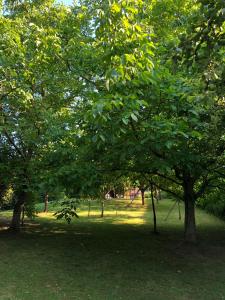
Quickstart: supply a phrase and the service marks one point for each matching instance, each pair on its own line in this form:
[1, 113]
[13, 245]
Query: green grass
[115, 257]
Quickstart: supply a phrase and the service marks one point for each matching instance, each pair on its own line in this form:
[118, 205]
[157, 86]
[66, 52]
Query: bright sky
[67, 2]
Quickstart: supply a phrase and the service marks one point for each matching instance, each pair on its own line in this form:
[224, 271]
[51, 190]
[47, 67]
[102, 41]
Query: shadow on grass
[115, 257]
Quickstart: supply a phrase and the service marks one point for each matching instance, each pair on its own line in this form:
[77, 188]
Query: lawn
[115, 257]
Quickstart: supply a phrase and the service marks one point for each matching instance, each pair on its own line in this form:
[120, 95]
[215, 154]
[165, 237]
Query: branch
[168, 191]
[204, 186]
[168, 178]
[79, 75]
[164, 189]
[13, 143]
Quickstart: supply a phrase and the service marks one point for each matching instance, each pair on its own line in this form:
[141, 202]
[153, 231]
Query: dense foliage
[102, 93]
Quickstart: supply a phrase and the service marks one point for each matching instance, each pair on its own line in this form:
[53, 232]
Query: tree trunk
[143, 196]
[16, 218]
[23, 215]
[153, 210]
[189, 202]
[89, 208]
[102, 208]
[46, 203]
[179, 212]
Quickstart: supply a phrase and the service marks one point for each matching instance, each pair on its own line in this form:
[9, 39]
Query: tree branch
[13, 143]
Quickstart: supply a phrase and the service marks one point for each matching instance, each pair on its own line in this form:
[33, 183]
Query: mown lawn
[115, 257]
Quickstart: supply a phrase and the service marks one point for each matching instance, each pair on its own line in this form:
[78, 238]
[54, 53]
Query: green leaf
[125, 121]
[134, 117]
[107, 84]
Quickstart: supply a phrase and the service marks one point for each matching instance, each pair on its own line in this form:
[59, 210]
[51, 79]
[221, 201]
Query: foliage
[108, 92]
[214, 203]
[34, 93]
[7, 198]
[160, 115]
[29, 207]
[68, 212]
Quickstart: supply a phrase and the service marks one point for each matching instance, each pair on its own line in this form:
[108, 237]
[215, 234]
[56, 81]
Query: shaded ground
[117, 257]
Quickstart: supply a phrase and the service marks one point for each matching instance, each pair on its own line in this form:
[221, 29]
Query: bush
[213, 203]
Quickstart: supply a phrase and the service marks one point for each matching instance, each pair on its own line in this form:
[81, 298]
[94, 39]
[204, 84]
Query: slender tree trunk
[189, 202]
[23, 215]
[143, 196]
[179, 212]
[46, 203]
[102, 208]
[153, 210]
[16, 218]
[89, 208]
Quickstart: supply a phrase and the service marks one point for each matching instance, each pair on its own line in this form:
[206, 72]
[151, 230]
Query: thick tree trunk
[46, 203]
[189, 202]
[143, 196]
[18, 207]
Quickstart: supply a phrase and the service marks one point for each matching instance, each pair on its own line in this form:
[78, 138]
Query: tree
[35, 93]
[160, 116]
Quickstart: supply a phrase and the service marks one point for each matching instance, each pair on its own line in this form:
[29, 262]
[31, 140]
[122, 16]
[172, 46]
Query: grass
[115, 257]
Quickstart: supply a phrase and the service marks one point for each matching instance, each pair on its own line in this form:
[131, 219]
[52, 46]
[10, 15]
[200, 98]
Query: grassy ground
[115, 257]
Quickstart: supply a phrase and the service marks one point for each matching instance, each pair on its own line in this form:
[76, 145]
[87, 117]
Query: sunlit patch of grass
[46, 215]
[117, 211]
[6, 213]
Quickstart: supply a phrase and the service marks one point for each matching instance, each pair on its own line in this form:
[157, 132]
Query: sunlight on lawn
[119, 217]
[131, 217]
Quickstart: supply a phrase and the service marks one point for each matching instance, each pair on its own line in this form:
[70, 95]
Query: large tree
[36, 89]
[157, 114]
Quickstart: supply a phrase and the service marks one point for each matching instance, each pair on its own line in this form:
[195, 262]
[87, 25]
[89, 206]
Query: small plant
[68, 211]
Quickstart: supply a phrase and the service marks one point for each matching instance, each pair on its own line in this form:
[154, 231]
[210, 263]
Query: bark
[46, 203]
[143, 196]
[18, 207]
[102, 208]
[89, 208]
[153, 210]
[23, 215]
[179, 212]
[189, 202]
